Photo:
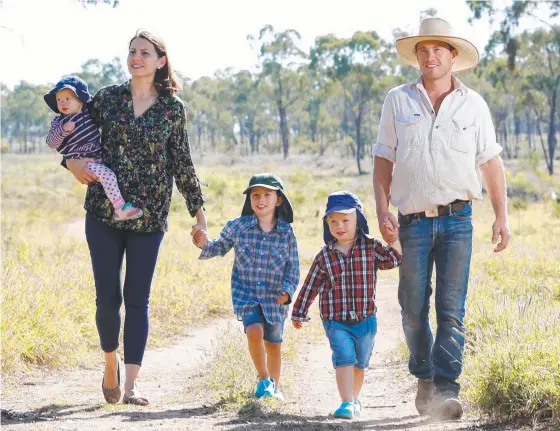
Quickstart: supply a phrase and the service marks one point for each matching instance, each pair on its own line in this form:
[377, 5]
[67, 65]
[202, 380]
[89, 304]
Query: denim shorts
[351, 343]
[272, 332]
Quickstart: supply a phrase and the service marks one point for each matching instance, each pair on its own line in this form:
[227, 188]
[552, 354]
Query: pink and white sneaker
[128, 212]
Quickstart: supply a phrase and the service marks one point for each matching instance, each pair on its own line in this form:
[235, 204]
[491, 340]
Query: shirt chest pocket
[278, 259]
[462, 137]
[408, 130]
[245, 255]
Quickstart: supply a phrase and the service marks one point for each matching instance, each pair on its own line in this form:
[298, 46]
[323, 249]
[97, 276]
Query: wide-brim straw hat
[439, 29]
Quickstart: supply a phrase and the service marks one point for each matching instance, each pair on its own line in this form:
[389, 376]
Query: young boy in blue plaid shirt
[265, 272]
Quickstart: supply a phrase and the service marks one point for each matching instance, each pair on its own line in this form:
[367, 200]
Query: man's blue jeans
[445, 241]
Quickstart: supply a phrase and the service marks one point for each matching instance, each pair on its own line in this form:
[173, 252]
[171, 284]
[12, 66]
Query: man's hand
[388, 225]
[69, 127]
[282, 299]
[79, 169]
[297, 324]
[500, 229]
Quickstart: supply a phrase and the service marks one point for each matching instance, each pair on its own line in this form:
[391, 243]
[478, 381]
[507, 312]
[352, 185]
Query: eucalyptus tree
[281, 59]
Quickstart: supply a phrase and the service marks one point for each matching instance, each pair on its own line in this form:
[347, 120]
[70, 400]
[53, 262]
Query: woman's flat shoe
[113, 396]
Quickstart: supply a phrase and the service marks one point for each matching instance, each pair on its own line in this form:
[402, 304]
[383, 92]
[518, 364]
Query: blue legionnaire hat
[344, 202]
[77, 85]
[270, 181]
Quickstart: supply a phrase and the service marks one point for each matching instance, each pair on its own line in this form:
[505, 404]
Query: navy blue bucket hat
[73, 83]
[344, 202]
[273, 182]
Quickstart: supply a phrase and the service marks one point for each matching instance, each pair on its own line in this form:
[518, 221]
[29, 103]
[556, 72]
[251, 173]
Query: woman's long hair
[166, 81]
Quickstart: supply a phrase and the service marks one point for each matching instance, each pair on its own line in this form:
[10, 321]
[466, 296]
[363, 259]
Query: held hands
[393, 232]
[282, 299]
[500, 230]
[389, 227]
[199, 235]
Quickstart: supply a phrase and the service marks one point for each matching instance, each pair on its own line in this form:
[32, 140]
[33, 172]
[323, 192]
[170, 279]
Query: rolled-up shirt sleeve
[486, 145]
[386, 145]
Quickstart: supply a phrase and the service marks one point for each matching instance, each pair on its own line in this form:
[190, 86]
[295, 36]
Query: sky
[42, 40]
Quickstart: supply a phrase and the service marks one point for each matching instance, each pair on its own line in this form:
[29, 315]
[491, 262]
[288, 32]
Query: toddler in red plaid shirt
[344, 274]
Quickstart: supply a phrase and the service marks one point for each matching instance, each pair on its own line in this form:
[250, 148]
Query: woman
[145, 142]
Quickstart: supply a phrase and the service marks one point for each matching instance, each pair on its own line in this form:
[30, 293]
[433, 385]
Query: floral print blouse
[145, 153]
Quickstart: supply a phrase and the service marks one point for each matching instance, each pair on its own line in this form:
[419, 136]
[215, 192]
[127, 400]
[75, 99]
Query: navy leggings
[107, 247]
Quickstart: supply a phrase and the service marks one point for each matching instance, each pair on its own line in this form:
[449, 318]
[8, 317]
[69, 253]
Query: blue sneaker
[265, 388]
[345, 411]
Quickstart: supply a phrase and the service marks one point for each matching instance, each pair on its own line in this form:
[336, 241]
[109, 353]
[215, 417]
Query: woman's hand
[200, 229]
[79, 169]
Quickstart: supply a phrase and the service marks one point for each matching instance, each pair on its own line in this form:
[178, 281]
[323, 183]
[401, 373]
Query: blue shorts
[351, 343]
[272, 332]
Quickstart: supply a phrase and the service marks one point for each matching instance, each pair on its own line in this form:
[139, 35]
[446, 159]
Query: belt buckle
[432, 212]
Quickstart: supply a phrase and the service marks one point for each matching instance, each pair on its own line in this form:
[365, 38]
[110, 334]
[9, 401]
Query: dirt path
[72, 400]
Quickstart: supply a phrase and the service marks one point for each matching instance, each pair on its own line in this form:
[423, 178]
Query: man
[438, 136]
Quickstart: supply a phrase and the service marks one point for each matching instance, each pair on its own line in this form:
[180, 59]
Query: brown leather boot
[424, 396]
[446, 406]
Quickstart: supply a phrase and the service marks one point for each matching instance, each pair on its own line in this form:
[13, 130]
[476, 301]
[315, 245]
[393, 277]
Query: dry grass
[512, 363]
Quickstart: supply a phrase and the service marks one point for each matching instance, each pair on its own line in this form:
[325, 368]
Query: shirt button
[437, 127]
[259, 269]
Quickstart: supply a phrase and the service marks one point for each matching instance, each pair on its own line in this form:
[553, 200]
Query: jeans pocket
[463, 214]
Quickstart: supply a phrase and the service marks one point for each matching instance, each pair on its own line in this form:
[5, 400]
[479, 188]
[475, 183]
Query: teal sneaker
[265, 388]
[357, 408]
[278, 395]
[345, 411]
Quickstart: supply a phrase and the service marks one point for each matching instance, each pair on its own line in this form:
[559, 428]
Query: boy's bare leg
[255, 334]
[345, 382]
[358, 382]
[274, 360]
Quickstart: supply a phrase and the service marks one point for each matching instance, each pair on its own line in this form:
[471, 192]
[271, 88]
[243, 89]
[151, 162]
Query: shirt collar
[458, 86]
[282, 225]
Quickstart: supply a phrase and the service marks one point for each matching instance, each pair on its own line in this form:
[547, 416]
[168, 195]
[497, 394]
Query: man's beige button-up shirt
[437, 157]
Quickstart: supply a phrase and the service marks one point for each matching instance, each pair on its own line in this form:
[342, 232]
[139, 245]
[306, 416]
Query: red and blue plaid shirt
[346, 283]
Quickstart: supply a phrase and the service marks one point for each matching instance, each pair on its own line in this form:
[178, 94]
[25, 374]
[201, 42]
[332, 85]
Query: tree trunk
[283, 128]
[552, 127]
[516, 131]
[548, 163]
[358, 124]
[530, 132]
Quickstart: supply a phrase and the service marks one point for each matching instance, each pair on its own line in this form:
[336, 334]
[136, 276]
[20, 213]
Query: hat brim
[467, 58]
[50, 97]
[285, 210]
[266, 186]
[341, 209]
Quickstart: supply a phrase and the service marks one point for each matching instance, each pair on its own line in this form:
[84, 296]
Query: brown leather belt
[438, 210]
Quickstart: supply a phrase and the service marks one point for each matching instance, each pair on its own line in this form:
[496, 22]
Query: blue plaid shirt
[266, 264]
